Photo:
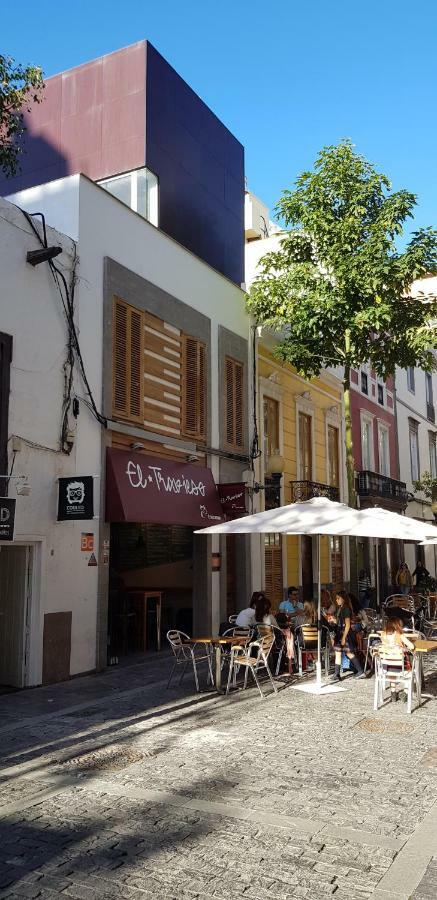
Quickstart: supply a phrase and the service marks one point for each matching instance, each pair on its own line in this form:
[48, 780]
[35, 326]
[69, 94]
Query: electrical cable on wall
[73, 348]
[255, 451]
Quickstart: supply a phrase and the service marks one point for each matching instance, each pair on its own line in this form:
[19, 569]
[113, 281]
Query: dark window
[5, 381]
[381, 394]
[364, 383]
[410, 379]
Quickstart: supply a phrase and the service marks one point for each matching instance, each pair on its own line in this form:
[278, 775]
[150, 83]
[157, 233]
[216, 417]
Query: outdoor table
[420, 647]
[217, 643]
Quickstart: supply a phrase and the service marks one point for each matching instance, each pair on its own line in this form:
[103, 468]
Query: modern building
[130, 122]
[48, 580]
[302, 423]
[157, 220]
[416, 396]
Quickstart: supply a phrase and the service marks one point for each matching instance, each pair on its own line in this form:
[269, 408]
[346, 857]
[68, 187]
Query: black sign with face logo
[75, 500]
[7, 519]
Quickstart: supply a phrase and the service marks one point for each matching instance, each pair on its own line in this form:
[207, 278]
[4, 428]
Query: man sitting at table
[292, 605]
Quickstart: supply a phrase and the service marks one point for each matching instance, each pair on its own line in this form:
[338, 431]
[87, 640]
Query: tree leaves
[338, 269]
[20, 87]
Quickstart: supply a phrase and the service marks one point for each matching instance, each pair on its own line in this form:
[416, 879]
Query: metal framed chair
[279, 646]
[373, 643]
[306, 642]
[232, 619]
[243, 658]
[187, 653]
[390, 672]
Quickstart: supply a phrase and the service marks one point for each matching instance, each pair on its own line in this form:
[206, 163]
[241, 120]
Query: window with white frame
[384, 450]
[367, 443]
[138, 190]
[413, 427]
[411, 384]
[432, 454]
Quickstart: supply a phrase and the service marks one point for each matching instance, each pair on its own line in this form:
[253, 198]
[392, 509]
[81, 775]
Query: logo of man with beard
[75, 493]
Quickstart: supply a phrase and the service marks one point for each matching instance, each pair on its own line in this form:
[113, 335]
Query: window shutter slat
[135, 398]
[229, 402]
[194, 389]
[128, 362]
[234, 389]
[239, 427]
[120, 357]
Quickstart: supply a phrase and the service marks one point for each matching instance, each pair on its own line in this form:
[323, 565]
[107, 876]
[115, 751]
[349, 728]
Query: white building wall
[107, 228]
[31, 311]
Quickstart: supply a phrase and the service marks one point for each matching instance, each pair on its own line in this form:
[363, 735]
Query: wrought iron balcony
[306, 490]
[371, 484]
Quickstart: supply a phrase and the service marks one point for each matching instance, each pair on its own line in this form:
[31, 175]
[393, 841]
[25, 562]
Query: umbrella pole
[378, 599]
[319, 616]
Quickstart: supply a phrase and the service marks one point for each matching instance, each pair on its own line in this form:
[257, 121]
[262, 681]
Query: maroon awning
[149, 489]
[233, 499]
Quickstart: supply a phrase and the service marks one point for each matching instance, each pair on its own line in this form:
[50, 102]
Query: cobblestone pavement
[114, 787]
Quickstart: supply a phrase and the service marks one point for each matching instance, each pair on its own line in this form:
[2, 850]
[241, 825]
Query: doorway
[15, 595]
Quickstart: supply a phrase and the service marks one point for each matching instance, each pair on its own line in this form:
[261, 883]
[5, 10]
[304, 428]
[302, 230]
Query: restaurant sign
[233, 499]
[7, 518]
[75, 498]
[152, 490]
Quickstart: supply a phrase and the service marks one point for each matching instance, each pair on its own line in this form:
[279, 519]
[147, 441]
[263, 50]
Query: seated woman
[263, 614]
[246, 617]
[393, 638]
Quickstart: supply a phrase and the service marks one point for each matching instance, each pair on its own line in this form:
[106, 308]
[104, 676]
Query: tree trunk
[350, 466]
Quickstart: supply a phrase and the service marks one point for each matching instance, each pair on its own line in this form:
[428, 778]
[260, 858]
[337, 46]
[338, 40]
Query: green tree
[337, 292]
[20, 87]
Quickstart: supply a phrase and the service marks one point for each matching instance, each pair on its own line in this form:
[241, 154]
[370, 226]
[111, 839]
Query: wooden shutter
[234, 392]
[128, 362]
[194, 389]
[5, 375]
[273, 569]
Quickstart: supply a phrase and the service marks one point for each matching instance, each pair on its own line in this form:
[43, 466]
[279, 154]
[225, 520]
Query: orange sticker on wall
[87, 542]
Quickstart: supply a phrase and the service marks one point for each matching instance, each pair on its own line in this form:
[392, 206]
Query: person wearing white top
[246, 618]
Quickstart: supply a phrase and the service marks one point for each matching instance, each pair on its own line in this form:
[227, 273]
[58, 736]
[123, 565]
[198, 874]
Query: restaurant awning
[148, 489]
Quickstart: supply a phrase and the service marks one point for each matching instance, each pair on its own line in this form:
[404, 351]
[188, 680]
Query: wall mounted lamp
[45, 254]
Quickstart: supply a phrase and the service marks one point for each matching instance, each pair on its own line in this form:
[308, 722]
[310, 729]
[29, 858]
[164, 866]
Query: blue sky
[286, 77]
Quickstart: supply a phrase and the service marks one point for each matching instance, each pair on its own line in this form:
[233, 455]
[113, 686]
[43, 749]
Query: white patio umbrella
[321, 516]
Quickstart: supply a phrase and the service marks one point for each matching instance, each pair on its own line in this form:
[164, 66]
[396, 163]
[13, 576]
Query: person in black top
[344, 639]
[421, 574]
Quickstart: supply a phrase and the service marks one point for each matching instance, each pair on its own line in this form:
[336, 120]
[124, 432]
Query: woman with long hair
[344, 641]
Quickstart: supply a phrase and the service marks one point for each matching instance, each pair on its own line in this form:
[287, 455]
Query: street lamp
[275, 468]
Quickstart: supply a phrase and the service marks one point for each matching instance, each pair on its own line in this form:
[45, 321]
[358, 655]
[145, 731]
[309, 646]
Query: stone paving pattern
[112, 786]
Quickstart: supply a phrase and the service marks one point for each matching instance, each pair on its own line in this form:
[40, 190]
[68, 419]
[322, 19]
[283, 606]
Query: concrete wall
[31, 311]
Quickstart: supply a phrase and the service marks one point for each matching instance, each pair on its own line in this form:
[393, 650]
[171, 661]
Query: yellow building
[302, 422]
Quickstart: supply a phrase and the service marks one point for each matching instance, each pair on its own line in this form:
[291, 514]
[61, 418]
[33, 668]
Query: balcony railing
[371, 484]
[306, 490]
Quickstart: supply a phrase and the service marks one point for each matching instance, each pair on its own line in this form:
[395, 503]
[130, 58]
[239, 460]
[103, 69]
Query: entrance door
[14, 579]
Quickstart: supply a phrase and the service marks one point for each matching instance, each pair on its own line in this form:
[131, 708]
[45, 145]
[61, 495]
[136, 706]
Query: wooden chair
[242, 657]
